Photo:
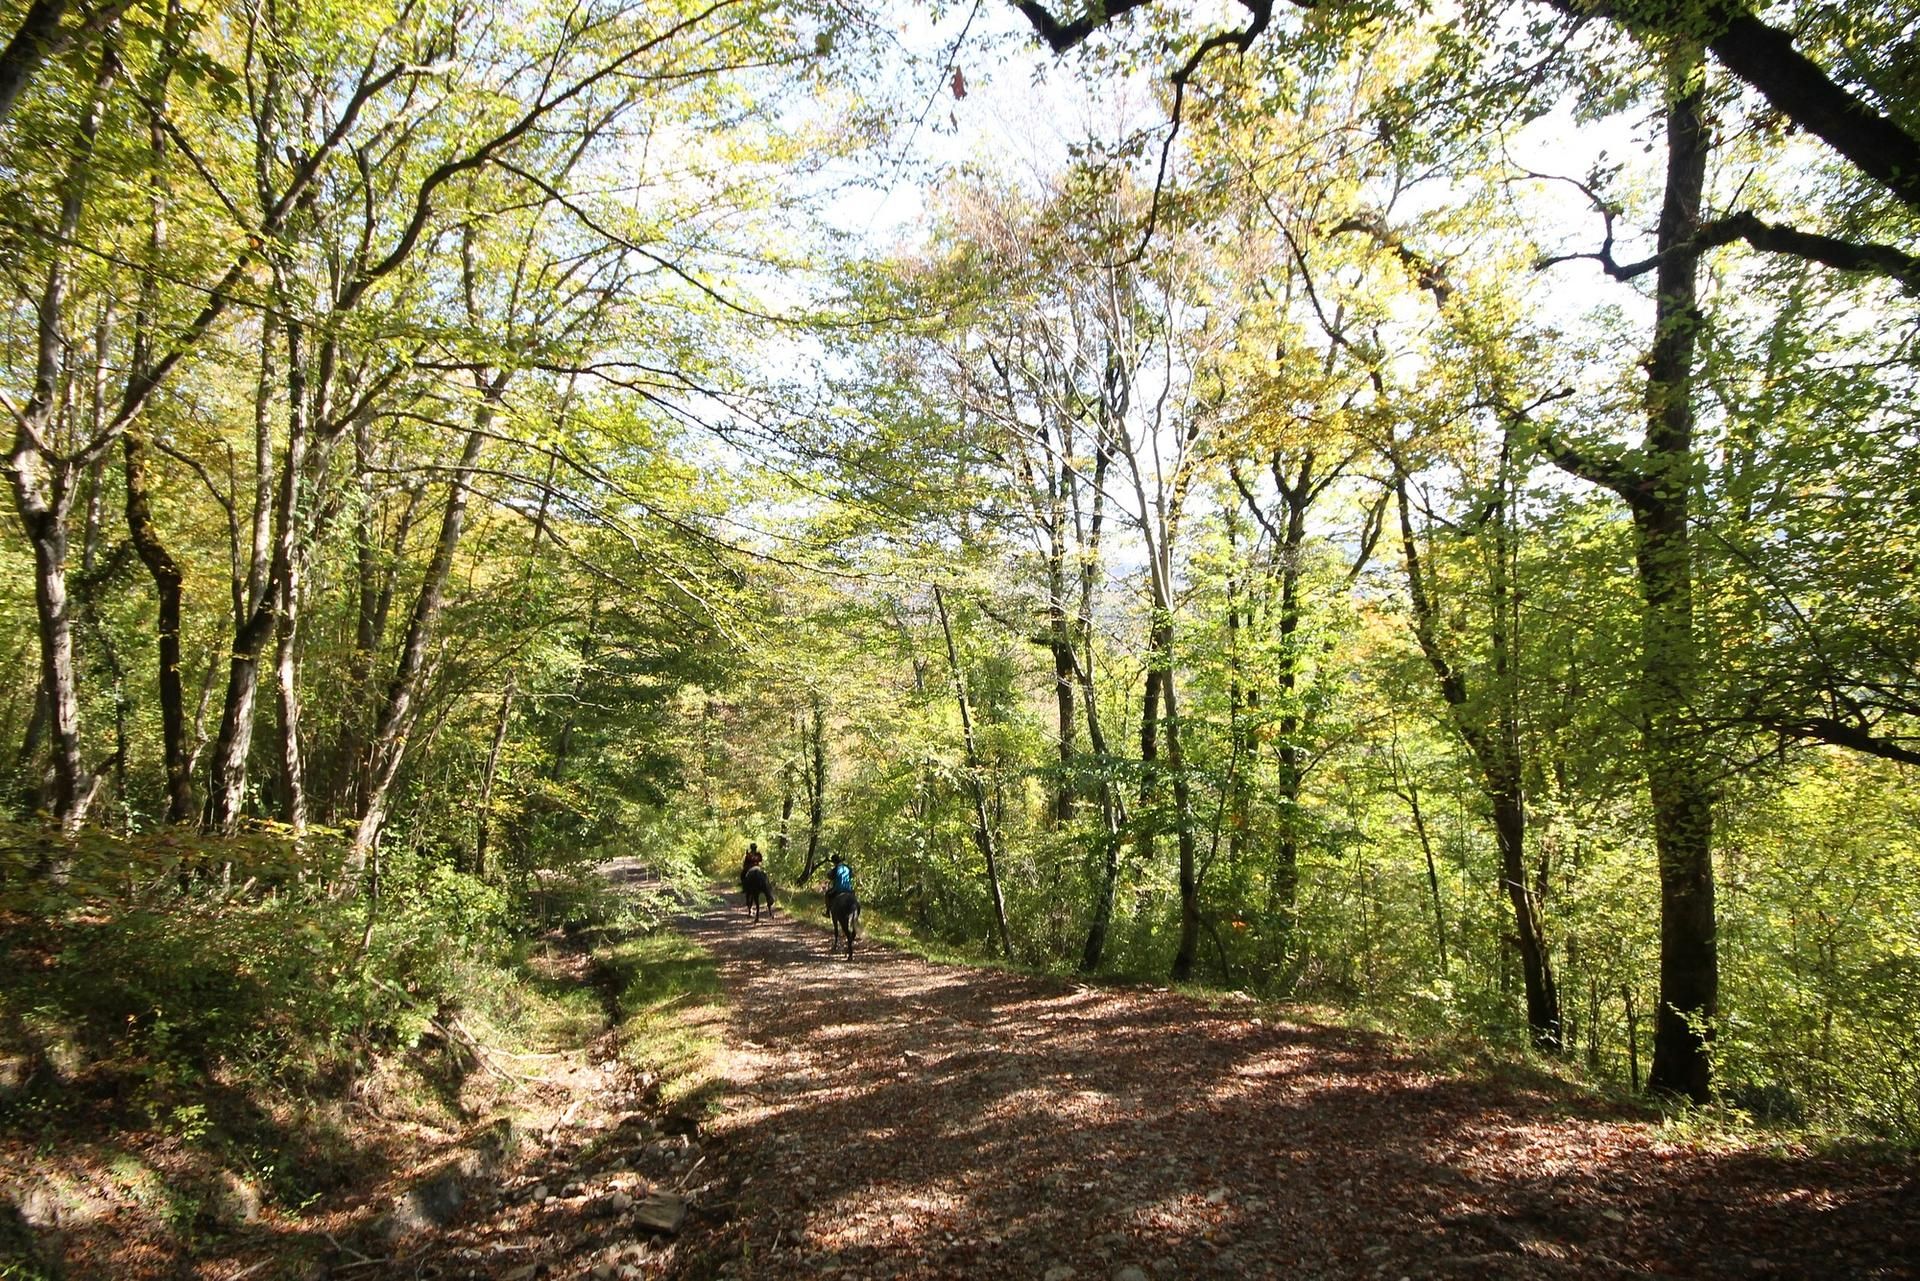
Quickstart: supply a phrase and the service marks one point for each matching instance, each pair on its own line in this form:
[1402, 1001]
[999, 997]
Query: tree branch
[1839, 733]
[1429, 275]
[1763, 56]
[1869, 257]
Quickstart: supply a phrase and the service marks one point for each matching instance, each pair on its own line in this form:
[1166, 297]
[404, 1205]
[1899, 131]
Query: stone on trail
[232, 1201]
[429, 1205]
[35, 1254]
[434, 1200]
[661, 1212]
[1059, 1272]
[1129, 1273]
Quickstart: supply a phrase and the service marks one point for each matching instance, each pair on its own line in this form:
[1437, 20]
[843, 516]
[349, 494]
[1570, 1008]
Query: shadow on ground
[892, 1118]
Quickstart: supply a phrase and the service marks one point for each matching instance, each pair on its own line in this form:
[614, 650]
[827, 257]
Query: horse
[845, 911]
[757, 885]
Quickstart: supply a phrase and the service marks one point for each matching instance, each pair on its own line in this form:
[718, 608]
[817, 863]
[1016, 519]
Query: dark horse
[757, 885]
[845, 911]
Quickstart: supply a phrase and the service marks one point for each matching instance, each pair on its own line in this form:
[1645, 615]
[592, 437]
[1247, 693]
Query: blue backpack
[840, 879]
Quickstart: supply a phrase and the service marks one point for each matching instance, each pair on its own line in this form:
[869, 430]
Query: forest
[1402, 512]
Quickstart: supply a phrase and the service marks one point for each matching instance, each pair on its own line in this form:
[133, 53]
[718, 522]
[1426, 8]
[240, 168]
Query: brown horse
[757, 886]
[845, 911]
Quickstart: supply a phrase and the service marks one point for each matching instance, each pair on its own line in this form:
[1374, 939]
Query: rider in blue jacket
[839, 878]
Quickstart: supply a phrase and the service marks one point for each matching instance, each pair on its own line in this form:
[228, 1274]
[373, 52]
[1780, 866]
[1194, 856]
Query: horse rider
[839, 879]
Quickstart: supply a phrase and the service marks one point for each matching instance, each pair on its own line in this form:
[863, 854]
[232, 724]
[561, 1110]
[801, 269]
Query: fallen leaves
[934, 1122]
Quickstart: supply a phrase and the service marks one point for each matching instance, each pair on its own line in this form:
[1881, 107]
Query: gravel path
[887, 1117]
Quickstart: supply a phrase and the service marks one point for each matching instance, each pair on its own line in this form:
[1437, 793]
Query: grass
[546, 1009]
[669, 1012]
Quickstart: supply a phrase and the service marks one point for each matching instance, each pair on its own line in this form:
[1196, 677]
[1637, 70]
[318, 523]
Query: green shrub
[153, 990]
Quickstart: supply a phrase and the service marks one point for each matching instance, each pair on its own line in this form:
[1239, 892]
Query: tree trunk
[1506, 788]
[96, 485]
[374, 583]
[1543, 996]
[1291, 551]
[487, 777]
[38, 37]
[1499, 768]
[983, 827]
[227, 786]
[1112, 825]
[344, 768]
[1112, 807]
[1061, 643]
[1149, 789]
[141, 528]
[784, 841]
[227, 789]
[1161, 685]
[1239, 792]
[1183, 808]
[167, 582]
[816, 786]
[1296, 491]
[47, 533]
[1060, 639]
[399, 713]
[1659, 492]
[1433, 873]
[42, 483]
[1676, 775]
[288, 559]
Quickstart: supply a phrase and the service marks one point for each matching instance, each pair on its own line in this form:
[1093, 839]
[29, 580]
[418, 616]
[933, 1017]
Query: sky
[969, 86]
[1017, 107]
[1014, 108]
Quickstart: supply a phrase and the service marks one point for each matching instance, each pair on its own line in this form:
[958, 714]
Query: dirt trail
[893, 1118]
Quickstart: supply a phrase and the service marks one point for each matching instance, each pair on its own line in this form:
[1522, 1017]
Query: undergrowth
[176, 1013]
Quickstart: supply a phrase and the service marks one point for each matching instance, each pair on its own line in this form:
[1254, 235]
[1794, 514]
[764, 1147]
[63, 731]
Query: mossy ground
[670, 1017]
